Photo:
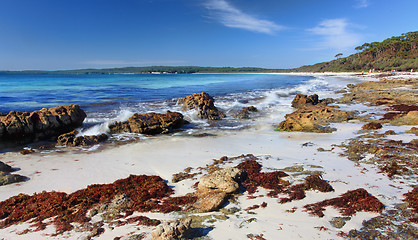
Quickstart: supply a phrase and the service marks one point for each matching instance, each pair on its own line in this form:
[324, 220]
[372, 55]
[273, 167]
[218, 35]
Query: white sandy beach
[166, 155]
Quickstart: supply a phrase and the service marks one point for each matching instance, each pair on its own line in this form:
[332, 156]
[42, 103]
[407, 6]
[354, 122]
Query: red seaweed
[256, 178]
[411, 198]
[143, 190]
[348, 203]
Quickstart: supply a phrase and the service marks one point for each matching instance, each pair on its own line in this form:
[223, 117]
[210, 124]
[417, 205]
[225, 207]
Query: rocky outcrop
[40, 124]
[204, 104]
[149, 123]
[72, 140]
[314, 119]
[7, 178]
[171, 230]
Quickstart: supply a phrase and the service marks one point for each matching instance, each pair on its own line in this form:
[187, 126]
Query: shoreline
[69, 172]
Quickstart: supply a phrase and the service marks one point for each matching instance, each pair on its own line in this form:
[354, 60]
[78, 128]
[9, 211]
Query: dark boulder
[7, 178]
[149, 123]
[204, 104]
[302, 100]
[40, 124]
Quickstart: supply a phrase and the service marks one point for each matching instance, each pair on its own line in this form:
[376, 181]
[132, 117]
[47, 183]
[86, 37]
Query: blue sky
[55, 34]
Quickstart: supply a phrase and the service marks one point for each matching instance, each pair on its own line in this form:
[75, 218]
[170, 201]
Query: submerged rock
[245, 113]
[71, 140]
[204, 104]
[40, 124]
[149, 123]
[171, 230]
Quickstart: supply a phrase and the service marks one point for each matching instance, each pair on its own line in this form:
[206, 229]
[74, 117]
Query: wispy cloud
[132, 63]
[336, 34]
[233, 17]
[362, 3]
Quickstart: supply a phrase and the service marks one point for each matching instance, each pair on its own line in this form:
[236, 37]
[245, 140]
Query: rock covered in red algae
[41, 124]
[149, 123]
[72, 140]
[171, 230]
[204, 104]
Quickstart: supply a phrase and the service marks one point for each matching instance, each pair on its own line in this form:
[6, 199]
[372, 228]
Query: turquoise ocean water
[32, 92]
[109, 98]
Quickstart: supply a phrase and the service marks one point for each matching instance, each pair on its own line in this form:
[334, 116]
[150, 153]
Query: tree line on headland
[398, 53]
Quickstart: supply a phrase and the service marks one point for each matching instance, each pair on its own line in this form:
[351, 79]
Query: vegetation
[396, 53]
[152, 69]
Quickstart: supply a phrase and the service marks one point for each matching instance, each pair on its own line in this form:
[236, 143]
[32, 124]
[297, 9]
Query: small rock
[390, 132]
[251, 109]
[7, 178]
[315, 182]
[339, 222]
[5, 167]
[372, 126]
[71, 140]
[171, 230]
[27, 151]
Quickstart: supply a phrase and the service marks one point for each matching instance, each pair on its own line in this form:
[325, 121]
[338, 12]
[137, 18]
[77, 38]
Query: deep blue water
[95, 92]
